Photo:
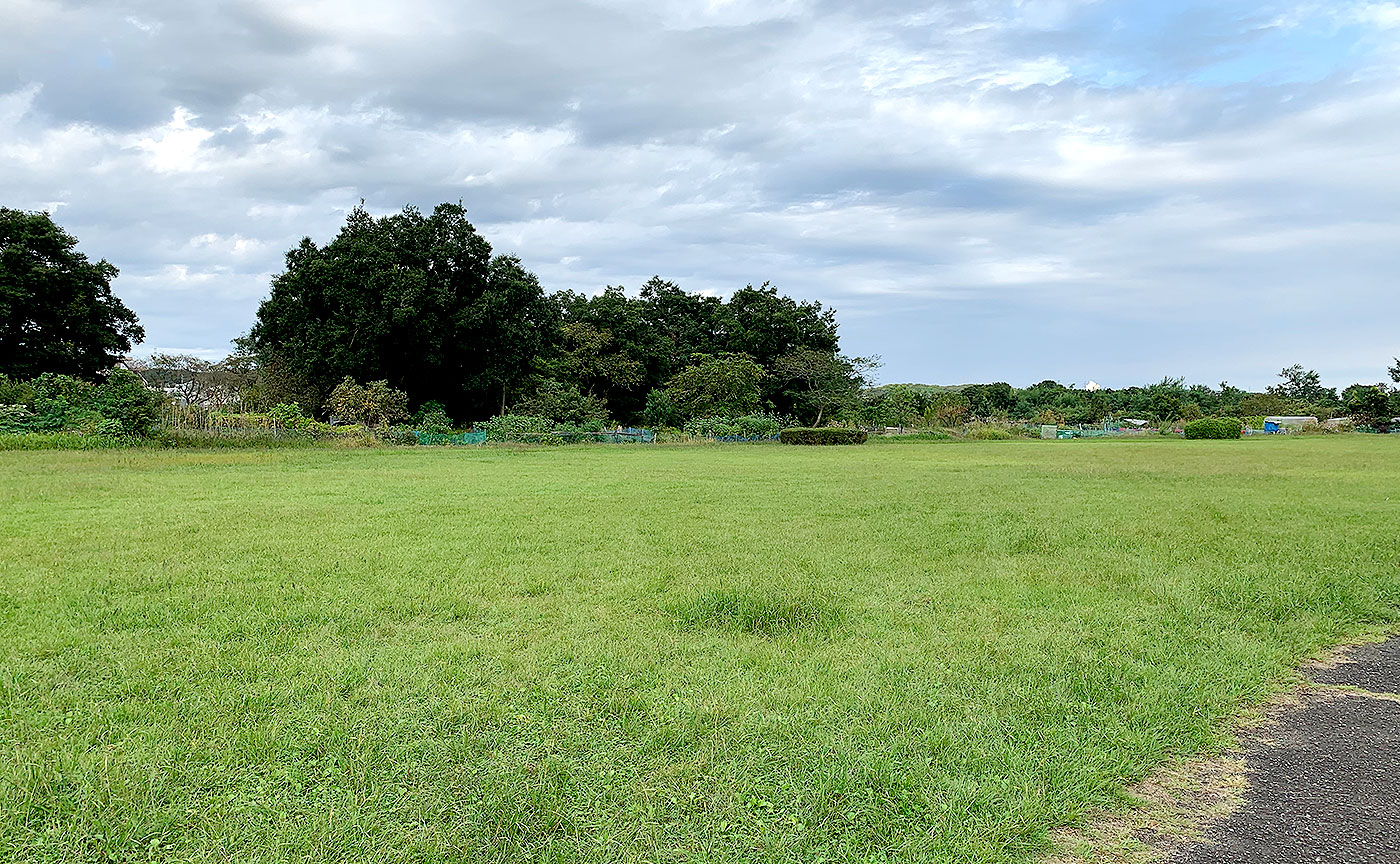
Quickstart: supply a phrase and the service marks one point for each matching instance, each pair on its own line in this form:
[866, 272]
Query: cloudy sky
[983, 189]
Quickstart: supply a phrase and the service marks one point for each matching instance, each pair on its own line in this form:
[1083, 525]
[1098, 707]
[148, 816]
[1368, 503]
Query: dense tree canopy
[57, 310]
[418, 301]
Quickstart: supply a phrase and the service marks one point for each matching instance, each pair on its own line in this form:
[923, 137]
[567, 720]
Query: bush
[829, 435]
[401, 436]
[563, 403]
[15, 418]
[124, 401]
[748, 426]
[1215, 427]
[515, 427]
[988, 432]
[432, 417]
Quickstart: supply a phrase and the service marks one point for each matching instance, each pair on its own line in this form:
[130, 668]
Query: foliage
[435, 422]
[563, 403]
[589, 359]
[118, 404]
[661, 411]
[823, 436]
[515, 427]
[722, 384]
[748, 426]
[57, 310]
[663, 327]
[823, 383]
[1368, 404]
[1303, 385]
[13, 391]
[1215, 427]
[988, 432]
[1395, 371]
[287, 414]
[1272, 405]
[401, 436]
[375, 404]
[65, 440]
[418, 301]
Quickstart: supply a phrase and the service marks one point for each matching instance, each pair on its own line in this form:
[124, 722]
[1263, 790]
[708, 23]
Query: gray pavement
[1324, 783]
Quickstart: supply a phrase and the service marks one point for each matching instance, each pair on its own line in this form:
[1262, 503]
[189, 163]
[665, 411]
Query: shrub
[1214, 427]
[124, 399]
[432, 417]
[563, 403]
[748, 426]
[15, 418]
[402, 436]
[286, 414]
[829, 435]
[515, 427]
[375, 404]
[988, 432]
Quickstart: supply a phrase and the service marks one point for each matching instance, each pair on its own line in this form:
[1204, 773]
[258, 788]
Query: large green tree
[418, 301]
[57, 310]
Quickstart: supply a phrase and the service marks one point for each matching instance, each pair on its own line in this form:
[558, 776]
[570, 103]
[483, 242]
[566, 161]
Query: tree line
[415, 314]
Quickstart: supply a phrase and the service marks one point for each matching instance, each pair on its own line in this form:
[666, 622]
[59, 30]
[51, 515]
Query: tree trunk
[503, 400]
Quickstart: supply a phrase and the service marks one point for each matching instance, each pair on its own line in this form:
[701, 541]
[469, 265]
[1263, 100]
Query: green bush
[1215, 427]
[988, 432]
[124, 399]
[400, 436]
[747, 426]
[515, 427]
[829, 435]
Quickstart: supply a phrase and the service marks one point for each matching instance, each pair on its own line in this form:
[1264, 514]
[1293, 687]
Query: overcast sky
[983, 190]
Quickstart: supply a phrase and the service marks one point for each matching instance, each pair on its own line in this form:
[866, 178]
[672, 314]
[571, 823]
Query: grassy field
[741, 653]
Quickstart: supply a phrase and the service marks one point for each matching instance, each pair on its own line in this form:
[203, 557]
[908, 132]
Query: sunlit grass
[750, 653]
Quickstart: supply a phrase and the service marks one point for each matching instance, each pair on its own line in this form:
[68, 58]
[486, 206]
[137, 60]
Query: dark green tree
[57, 310]
[724, 384]
[1304, 385]
[418, 301]
[1367, 403]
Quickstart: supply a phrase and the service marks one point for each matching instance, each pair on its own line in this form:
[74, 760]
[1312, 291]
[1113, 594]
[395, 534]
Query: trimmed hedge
[1215, 427]
[830, 435]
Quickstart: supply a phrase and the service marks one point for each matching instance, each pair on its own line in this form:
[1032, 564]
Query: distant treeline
[413, 315]
[1298, 393]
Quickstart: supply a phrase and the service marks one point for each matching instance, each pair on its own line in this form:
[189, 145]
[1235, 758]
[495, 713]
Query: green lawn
[729, 653]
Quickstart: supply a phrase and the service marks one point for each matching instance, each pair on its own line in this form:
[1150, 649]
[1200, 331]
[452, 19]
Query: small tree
[722, 384]
[1395, 371]
[824, 382]
[376, 404]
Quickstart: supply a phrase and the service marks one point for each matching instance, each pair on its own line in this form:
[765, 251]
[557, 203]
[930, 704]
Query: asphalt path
[1324, 783]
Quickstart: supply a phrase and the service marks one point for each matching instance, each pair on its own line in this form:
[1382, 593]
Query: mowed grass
[730, 653]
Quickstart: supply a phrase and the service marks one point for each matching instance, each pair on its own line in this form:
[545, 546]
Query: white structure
[1092, 386]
